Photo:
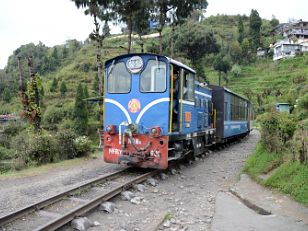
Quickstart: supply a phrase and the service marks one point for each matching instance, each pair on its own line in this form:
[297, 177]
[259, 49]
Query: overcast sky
[55, 21]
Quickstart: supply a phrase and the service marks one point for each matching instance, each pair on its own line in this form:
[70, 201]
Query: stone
[140, 187]
[167, 224]
[173, 171]
[151, 181]
[107, 207]
[163, 176]
[82, 223]
[127, 195]
[136, 200]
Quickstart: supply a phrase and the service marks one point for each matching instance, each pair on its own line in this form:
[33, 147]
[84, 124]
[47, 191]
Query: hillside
[263, 81]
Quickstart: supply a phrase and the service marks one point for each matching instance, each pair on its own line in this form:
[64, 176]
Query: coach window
[153, 77]
[189, 87]
[119, 79]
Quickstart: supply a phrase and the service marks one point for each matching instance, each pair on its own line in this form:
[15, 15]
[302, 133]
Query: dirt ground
[186, 197]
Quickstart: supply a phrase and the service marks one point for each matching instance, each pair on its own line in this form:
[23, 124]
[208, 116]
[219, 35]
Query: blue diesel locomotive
[155, 111]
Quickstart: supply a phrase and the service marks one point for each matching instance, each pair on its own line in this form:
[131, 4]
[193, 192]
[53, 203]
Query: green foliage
[82, 145]
[66, 140]
[6, 153]
[63, 89]
[236, 70]
[7, 95]
[80, 112]
[262, 161]
[291, 178]
[194, 42]
[54, 85]
[276, 129]
[255, 23]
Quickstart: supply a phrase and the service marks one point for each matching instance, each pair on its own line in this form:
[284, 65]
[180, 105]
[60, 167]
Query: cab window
[153, 77]
[189, 87]
[119, 79]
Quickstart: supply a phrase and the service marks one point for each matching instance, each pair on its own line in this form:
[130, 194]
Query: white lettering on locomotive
[114, 151]
[135, 140]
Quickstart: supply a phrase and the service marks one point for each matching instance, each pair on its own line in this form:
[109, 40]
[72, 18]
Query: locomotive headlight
[111, 129]
[154, 131]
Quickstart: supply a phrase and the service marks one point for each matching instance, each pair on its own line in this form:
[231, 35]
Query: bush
[66, 144]
[236, 70]
[5, 153]
[82, 145]
[276, 129]
[43, 149]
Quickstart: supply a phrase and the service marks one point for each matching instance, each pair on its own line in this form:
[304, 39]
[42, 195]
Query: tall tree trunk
[219, 78]
[99, 41]
[130, 31]
[160, 42]
[22, 87]
[36, 113]
[172, 40]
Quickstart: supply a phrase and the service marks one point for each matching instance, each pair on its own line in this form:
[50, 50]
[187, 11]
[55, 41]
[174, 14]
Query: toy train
[155, 111]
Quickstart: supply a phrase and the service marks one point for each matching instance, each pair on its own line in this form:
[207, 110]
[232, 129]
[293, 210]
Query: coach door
[175, 82]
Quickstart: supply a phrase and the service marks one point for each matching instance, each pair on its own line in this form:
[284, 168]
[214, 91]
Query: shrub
[82, 145]
[5, 153]
[43, 149]
[276, 129]
[66, 144]
[236, 70]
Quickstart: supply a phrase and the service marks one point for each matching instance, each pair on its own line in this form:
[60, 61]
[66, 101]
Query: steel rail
[45, 202]
[82, 209]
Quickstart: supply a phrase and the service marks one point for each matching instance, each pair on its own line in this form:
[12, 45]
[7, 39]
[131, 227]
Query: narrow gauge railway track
[56, 211]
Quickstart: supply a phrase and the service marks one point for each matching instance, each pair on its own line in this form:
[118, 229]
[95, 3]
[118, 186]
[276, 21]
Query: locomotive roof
[169, 59]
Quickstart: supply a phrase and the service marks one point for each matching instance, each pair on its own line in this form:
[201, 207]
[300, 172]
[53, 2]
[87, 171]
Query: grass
[291, 178]
[262, 162]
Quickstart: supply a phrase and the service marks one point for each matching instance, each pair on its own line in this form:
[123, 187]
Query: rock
[151, 181]
[127, 195]
[140, 187]
[163, 176]
[167, 224]
[182, 166]
[173, 171]
[183, 229]
[82, 223]
[107, 207]
[197, 159]
[155, 190]
[136, 200]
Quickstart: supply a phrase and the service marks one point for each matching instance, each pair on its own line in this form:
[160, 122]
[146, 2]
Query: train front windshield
[152, 78]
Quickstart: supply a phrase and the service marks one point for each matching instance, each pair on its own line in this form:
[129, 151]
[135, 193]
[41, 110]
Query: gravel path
[187, 196]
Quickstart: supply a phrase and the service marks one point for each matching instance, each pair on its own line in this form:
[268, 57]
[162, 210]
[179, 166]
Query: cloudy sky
[55, 21]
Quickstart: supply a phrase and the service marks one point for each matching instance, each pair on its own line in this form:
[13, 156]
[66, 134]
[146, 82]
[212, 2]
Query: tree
[194, 42]
[221, 64]
[63, 89]
[127, 11]
[54, 85]
[7, 95]
[236, 52]
[80, 112]
[255, 24]
[274, 22]
[240, 28]
[98, 9]
[86, 92]
[180, 10]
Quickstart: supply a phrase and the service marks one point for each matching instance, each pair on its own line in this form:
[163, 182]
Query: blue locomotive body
[155, 111]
